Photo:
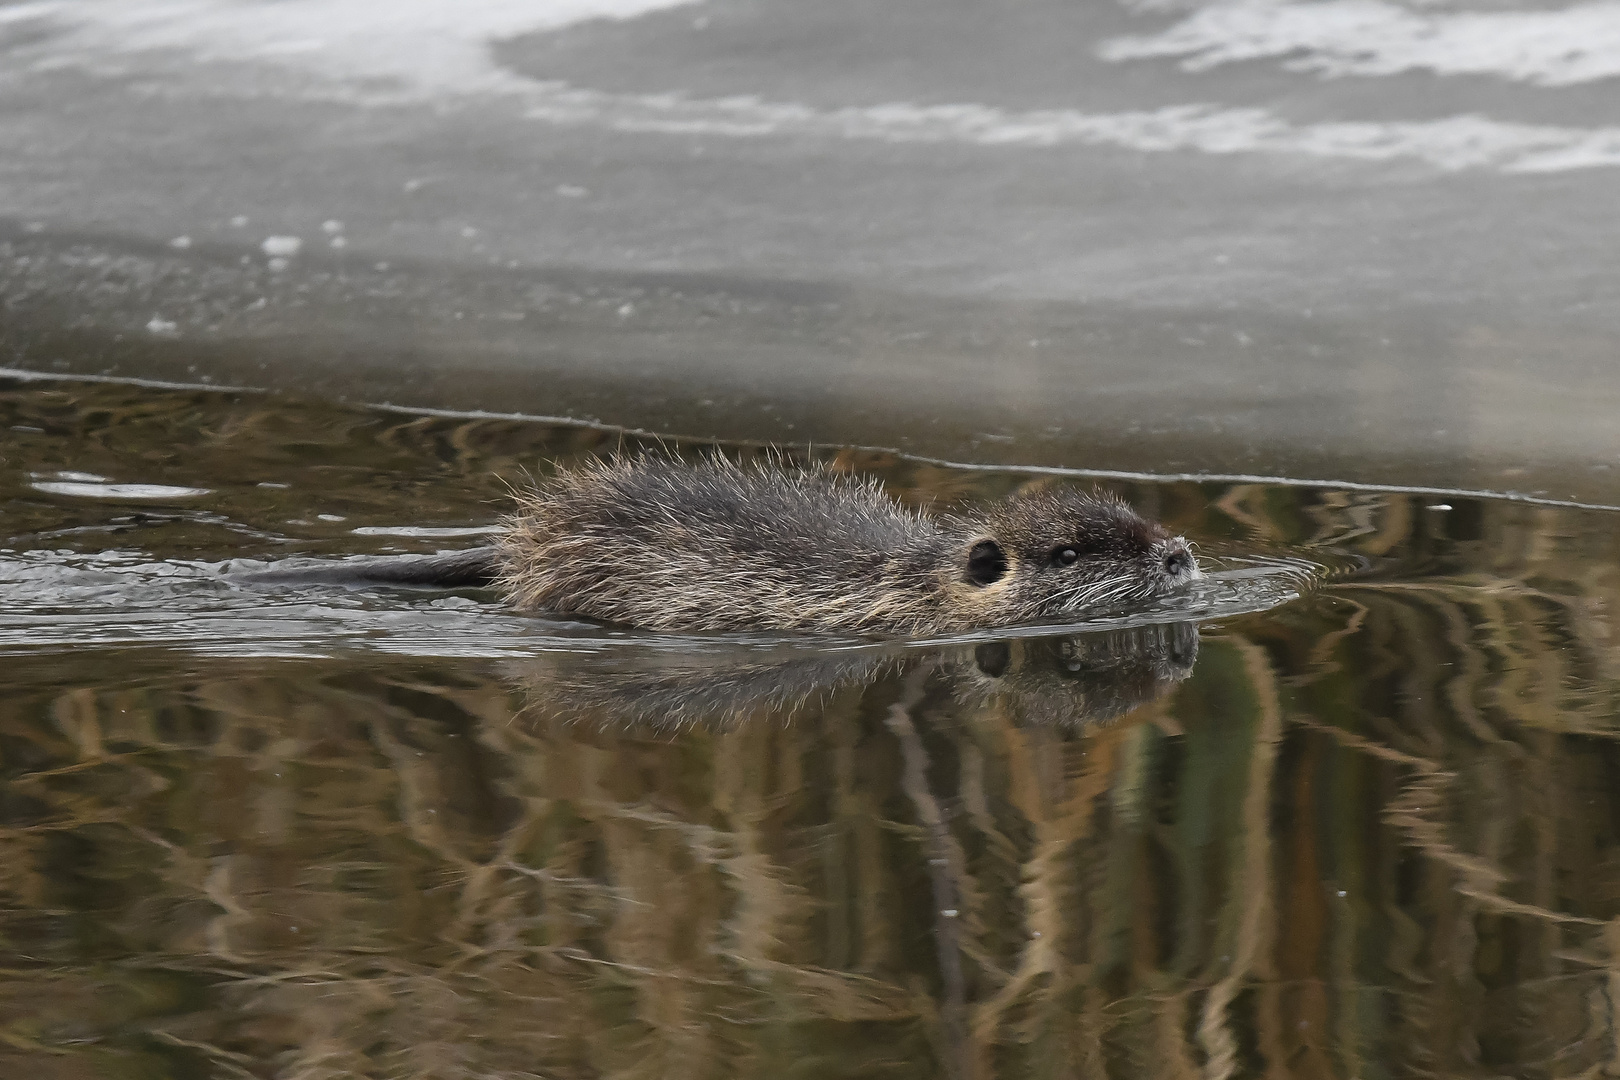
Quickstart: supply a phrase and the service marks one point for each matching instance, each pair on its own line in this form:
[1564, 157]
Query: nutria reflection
[1074, 680]
[679, 690]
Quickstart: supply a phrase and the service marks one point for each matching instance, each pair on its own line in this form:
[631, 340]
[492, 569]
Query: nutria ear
[986, 563]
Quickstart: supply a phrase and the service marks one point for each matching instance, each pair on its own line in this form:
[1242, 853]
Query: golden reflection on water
[1374, 832]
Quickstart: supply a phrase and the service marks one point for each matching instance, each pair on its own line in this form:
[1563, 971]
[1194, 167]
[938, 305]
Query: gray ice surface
[1364, 240]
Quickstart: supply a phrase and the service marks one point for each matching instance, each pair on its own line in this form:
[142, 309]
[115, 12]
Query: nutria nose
[1177, 563]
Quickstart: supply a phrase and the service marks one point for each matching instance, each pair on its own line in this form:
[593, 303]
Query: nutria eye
[1065, 556]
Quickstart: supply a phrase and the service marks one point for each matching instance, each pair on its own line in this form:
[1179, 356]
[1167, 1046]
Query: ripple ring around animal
[656, 543]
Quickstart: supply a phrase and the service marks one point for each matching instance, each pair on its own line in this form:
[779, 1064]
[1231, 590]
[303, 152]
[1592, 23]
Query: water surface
[1348, 810]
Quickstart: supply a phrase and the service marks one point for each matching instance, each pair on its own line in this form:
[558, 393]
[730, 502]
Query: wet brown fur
[665, 545]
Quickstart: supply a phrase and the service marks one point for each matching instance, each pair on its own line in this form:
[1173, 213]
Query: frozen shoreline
[950, 230]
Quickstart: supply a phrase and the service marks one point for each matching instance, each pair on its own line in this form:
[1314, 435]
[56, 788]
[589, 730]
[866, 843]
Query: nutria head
[1055, 552]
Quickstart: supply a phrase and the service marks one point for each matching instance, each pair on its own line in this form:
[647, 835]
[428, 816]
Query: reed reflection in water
[1080, 856]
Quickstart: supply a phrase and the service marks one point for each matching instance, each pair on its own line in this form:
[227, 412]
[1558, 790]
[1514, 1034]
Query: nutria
[665, 545]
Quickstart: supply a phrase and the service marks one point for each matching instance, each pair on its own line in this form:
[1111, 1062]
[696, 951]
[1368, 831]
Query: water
[1347, 810]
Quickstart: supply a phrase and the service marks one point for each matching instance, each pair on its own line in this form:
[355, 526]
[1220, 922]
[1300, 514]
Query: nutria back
[665, 545]
[717, 546]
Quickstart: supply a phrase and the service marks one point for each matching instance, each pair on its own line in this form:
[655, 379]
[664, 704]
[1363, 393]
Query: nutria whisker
[1093, 594]
[1107, 592]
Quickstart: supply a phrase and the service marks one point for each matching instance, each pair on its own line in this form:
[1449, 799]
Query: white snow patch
[427, 532]
[68, 474]
[422, 45]
[281, 246]
[1576, 44]
[1459, 142]
[362, 52]
[116, 491]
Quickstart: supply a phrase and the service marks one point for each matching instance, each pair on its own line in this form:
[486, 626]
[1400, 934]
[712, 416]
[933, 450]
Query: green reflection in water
[1372, 832]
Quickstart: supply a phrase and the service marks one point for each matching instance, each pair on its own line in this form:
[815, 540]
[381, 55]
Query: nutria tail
[473, 568]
